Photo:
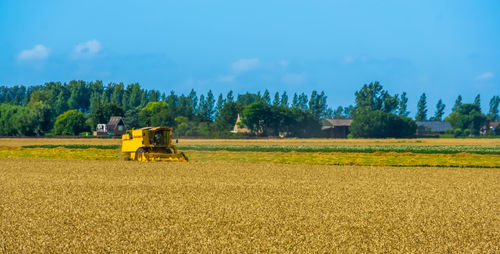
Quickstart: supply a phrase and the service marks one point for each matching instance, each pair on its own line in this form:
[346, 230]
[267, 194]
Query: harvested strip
[336, 158]
[61, 153]
[347, 149]
[75, 146]
[359, 159]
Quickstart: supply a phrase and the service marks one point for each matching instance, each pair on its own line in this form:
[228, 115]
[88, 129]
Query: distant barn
[432, 127]
[115, 127]
[337, 128]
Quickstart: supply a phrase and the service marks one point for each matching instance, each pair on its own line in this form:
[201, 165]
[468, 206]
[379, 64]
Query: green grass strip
[107, 147]
[347, 149]
[311, 149]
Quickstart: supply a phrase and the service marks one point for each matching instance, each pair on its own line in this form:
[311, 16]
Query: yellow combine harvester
[151, 144]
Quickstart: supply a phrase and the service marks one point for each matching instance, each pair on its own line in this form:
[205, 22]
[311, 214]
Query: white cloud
[37, 52]
[349, 60]
[284, 63]
[486, 75]
[87, 49]
[294, 78]
[245, 64]
[227, 78]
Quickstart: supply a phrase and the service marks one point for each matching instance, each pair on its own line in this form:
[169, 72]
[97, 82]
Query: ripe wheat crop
[342, 142]
[117, 206]
[17, 142]
[347, 149]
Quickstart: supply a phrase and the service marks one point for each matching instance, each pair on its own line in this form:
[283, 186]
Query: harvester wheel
[139, 154]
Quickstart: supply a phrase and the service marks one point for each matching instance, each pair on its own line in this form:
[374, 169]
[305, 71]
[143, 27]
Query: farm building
[489, 128]
[115, 127]
[337, 128]
[432, 127]
[239, 127]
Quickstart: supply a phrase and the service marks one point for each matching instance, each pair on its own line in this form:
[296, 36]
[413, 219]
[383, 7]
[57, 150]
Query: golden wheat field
[90, 200]
[289, 141]
[50, 205]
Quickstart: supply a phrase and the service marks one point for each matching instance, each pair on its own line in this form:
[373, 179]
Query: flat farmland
[378, 152]
[291, 195]
[282, 142]
[53, 205]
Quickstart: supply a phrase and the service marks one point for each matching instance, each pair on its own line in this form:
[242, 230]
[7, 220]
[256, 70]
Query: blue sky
[442, 48]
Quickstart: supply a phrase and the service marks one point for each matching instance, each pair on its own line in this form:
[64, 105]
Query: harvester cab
[151, 144]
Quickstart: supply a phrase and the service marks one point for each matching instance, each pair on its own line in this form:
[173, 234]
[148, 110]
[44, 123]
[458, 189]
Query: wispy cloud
[486, 75]
[245, 64]
[87, 49]
[294, 78]
[349, 60]
[284, 63]
[227, 78]
[37, 52]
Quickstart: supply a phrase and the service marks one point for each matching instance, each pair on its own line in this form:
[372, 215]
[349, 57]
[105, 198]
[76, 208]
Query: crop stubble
[107, 206]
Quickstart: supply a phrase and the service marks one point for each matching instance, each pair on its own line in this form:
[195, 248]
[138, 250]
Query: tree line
[71, 108]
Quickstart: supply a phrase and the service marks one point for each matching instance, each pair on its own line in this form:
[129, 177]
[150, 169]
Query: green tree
[220, 104]
[302, 124]
[295, 101]
[458, 103]
[210, 111]
[276, 101]
[303, 102]
[230, 96]
[266, 97]
[16, 120]
[403, 105]
[227, 117]
[467, 118]
[206, 107]
[477, 101]
[134, 94]
[116, 94]
[80, 94]
[131, 118]
[284, 99]
[183, 126]
[42, 115]
[71, 122]
[379, 124]
[317, 104]
[156, 114]
[349, 111]
[422, 108]
[339, 113]
[258, 117]
[194, 101]
[438, 115]
[373, 97]
[493, 112]
[247, 98]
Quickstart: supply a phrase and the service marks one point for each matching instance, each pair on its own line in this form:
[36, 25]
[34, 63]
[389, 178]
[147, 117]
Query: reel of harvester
[151, 144]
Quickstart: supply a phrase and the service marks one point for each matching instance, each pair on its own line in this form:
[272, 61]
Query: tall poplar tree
[422, 108]
[458, 103]
[438, 115]
[284, 99]
[493, 113]
[403, 105]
